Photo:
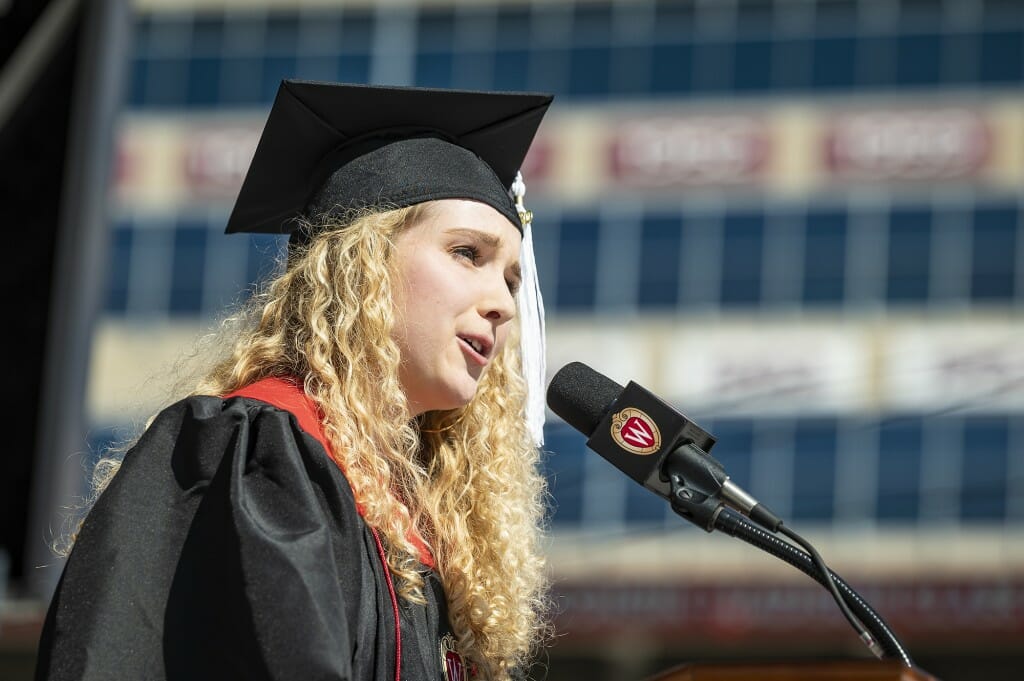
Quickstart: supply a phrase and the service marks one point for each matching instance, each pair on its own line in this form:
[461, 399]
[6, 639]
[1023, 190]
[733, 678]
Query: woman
[352, 492]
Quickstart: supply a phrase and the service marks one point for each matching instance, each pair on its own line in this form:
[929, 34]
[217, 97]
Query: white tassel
[531, 318]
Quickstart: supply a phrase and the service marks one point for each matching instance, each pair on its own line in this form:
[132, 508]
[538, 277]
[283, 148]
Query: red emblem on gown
[452, 662]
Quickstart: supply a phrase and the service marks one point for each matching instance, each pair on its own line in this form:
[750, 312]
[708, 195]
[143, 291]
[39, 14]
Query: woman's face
[458, 268]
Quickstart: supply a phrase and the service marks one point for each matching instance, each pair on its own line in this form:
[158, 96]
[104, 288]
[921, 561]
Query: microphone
[663, 450]
[651, 442]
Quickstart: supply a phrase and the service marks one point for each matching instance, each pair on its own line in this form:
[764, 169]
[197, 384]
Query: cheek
[417, 296]
[501, 337]
[428, 281]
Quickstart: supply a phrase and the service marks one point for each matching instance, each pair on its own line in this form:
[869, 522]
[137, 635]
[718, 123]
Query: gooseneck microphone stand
[736, 525]
[695, 496]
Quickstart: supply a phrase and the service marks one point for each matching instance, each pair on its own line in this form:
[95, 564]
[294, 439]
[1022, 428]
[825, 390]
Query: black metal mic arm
[695, 482]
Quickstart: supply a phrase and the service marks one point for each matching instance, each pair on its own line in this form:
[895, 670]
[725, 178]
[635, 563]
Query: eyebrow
[489, 240]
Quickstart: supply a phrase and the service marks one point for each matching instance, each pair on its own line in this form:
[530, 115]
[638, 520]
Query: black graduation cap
[330, 148]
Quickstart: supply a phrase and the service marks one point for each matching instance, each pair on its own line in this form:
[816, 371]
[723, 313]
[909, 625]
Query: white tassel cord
[531, 318]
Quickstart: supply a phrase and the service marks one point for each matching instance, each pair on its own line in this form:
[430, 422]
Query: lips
[478, 347]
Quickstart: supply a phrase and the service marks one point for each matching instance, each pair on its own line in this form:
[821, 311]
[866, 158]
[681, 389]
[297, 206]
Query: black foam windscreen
[581, 396]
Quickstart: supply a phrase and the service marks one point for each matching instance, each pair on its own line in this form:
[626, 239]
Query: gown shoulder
[227, 546]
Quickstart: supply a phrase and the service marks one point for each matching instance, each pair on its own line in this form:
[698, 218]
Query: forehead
[460, 216]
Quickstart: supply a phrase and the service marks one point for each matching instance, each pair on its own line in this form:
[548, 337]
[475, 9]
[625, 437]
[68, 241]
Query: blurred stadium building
[797, 220]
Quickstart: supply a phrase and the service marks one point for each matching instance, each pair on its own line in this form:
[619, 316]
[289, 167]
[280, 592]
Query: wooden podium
[839, 670]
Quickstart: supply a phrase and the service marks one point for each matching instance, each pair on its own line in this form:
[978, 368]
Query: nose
[499, 305]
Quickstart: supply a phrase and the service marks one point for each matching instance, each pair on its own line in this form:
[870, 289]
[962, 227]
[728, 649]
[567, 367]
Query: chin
[447, 398]
[459, 395]
[460, 400]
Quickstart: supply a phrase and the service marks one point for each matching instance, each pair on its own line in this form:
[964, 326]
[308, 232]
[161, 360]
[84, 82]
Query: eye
[470, 253]
[513, 285]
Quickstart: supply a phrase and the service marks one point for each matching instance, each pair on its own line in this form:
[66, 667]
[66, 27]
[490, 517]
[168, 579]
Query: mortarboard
[330, 148]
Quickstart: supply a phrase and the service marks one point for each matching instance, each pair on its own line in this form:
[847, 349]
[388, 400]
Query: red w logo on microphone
[635, 431]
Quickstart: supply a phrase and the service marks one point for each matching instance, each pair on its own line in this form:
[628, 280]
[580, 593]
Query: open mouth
[479, 349]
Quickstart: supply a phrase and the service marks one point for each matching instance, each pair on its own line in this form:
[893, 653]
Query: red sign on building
[910, 145]
[537, 164]
[216, 159]
[698, 150]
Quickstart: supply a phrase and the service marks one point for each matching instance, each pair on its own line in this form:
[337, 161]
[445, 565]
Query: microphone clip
[695, 481]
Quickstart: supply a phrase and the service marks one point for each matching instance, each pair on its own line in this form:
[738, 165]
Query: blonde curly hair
[466, 480]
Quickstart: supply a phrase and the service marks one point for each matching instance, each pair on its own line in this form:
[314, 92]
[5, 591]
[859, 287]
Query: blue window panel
[922, 13]
[994, 251]
[434, 69]
[168, 34]
[1001, 57]
[203, 82]
[513, 26]
[836, 15]
[119, 268]
[983, 477]
[240, 80]
[511, 69]
[321, 34]
[166, 81]
[548, 70]
[320, 68]
[1003, 12]
[545, 245]
[899, 465]
[435, 29]
[142, 32]
[354, 68]
[742, 254]
[752, 69]
[592, 23]
[276, 69]
[187, 269]
[824, 258]
[792, 59]
[671, 68]
[814, 468]
[919, 59]
[909, 254]
[673, 19]
[577, 264]
[550, 23]
[734, 447]
[282, 33]
[876, 61]
[755, 17]
[642, 505]
[694, 291]
[138, 73]
[562, 465]
[264, 254]
[588, 71]
[357, 28]
[660, 240]
[711, 73]
[834, 63]
[630, 70]
[473, 70]
[245, 34]
[207, 35]
[959, 58]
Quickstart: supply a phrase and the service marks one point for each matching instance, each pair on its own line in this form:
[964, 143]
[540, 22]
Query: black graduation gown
[229, 546]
